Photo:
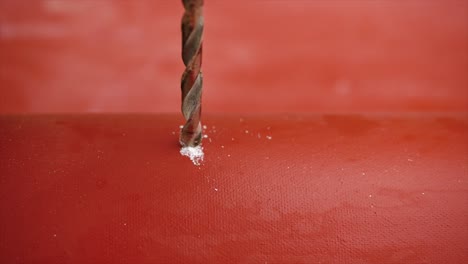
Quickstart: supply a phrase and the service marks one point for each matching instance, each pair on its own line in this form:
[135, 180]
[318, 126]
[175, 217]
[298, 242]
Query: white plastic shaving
[194, 153]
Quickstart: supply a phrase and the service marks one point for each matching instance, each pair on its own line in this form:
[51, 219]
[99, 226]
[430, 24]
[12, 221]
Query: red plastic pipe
[272, 189]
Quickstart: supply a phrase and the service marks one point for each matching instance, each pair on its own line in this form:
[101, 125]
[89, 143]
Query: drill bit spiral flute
[192, 78]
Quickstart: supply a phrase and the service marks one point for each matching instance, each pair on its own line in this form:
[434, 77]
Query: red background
[259, 56]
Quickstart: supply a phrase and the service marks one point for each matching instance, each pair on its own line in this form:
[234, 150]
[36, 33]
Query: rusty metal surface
[192, 78]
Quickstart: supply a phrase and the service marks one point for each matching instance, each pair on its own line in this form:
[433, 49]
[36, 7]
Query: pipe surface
[276, 189]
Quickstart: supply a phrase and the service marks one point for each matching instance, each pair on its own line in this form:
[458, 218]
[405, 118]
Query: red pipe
[272, 189]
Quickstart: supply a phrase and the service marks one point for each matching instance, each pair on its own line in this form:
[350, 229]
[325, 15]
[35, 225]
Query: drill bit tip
[190, 137]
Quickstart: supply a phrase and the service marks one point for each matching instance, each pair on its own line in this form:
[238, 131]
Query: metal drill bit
[192, 79]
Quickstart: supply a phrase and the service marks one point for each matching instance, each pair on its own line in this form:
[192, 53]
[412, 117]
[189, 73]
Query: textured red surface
[323, 189]
[259, 56]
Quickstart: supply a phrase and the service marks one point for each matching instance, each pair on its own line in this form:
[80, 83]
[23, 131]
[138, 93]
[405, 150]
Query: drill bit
[192, 78]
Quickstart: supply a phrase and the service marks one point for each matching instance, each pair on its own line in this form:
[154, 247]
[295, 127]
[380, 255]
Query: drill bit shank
[192, 78]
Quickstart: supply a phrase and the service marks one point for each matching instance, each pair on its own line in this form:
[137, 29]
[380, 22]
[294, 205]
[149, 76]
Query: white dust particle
[204, 127]
[232, 139]
[246, 131]
[181, 126]
[229, 155]
[370, 195]
[222, 146]
[55, 235]
[423, 193]
[205, 136]
[216, 189]
[363, 173]
[194, 153]
[269, 137]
